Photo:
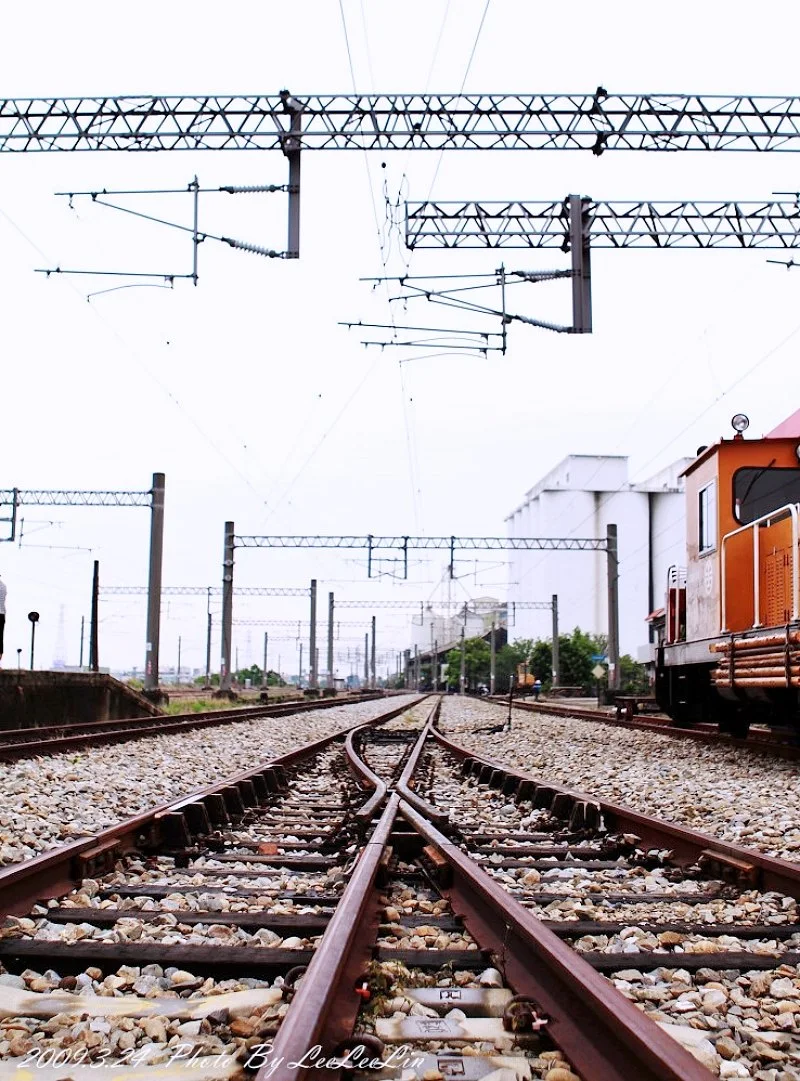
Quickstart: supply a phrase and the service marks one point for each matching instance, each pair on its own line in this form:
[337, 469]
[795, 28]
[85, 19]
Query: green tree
[253, 673]
[508, 658]
[576, 653]
[575, 657]
[633, 676]
[477, 657]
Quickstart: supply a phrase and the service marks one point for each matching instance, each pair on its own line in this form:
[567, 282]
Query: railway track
[764, 741]
[388, 890]
[16, 743]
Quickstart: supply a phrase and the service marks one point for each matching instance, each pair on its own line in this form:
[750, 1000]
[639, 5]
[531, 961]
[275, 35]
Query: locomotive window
[756, 492]
[708, 517]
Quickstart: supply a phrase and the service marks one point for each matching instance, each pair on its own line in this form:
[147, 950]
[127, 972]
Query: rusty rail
[602, 1034]
[403, 786]
[326, 1005]
[16, 743]
[746, 865]
[764, 744]
[361, 770]
[58, 870]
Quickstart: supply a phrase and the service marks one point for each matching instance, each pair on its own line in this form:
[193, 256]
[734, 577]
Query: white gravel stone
[748, 799]
[50, 801]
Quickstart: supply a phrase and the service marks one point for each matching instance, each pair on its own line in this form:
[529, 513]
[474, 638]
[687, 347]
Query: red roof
[787, 429]
[658, 614]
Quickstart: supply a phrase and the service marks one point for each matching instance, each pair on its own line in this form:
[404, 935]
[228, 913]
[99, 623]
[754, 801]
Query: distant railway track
[362, 888]
[16, 743]
[776, 743]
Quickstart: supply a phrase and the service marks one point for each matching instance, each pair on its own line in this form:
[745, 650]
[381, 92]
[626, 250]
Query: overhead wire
[413, 472]
[137, 359]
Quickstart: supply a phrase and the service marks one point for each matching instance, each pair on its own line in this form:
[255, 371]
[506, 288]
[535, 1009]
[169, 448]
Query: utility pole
[366, 660]
[556, 663]
[462, 679]
[433, 661]
[178, 669]
[373, 681]
[613, 608]
[330, 640]
[154, 583]
[208, 638]
[266, 646]
[312, 638]
[94, 662]
[492, 659]
[227, 608]
[300, 676]
[80, 662]
[407, 669]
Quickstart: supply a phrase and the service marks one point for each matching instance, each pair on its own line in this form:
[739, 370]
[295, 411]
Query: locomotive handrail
[676, 579]
[790, 508]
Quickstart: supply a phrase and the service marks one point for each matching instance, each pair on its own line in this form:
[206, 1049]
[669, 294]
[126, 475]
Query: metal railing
[676, 581]
[792, 509]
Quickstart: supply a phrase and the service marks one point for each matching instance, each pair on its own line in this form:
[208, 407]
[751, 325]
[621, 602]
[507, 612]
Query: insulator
[253, 189]
[268, 253]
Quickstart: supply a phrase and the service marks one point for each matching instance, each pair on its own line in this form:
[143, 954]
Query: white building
[580, 498]
[429, 626]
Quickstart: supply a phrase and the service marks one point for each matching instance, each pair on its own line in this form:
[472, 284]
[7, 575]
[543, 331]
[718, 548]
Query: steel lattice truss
[596, 121]
[197, 591]
[299, 623]
[372, 543]
[63, 498]
[275, 591]
[458, 606]
[534, 224]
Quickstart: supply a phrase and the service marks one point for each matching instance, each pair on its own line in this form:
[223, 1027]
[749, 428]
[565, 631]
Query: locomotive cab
[732, 644]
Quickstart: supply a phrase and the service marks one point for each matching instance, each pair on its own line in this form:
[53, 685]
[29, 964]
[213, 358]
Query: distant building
[580, 498]
[474, 616]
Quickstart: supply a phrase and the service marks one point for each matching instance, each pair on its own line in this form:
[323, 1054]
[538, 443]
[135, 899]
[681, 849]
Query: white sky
[247, 394]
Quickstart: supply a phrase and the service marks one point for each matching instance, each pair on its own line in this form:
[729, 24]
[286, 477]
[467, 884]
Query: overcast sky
[245, 391]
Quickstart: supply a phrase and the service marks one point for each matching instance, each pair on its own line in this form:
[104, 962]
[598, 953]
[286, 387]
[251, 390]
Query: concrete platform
[34, 699]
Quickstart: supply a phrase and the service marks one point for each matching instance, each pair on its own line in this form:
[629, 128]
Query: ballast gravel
[731, 793]
[51, 801]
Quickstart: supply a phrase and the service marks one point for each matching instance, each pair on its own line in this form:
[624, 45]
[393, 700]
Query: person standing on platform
[3, 592]
[537, 689]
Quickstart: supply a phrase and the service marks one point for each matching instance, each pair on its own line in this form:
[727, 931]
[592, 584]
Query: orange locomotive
[731, 647]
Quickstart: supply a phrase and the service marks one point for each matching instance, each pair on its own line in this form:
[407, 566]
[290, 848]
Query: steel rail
[98, 733]
[763, 744]
[58, 870]
[403, 786]
[326, 1005]
[363, 772]
[768, 873]
[604, 1036]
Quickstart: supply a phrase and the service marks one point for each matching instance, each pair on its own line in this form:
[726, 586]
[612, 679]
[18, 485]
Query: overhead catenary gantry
[595, 122]
[480, 605]
[624, 224]
[13, 498]
[372, 543]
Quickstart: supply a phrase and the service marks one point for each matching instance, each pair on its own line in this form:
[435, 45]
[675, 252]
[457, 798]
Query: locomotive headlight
[740, 423]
